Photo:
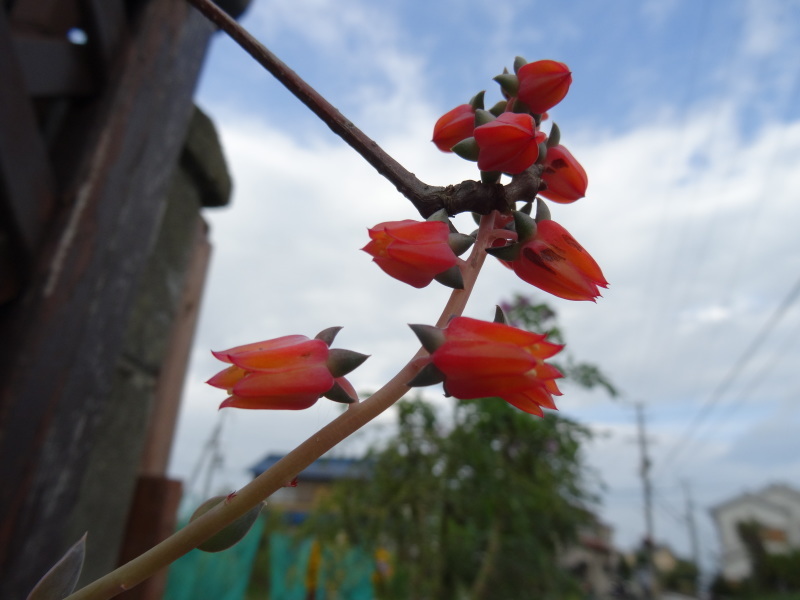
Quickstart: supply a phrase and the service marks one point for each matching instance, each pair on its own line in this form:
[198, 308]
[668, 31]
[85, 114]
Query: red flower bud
[480, 359]
[509, 144]
[454, 126]
[289, 372]
[412, 251]
[565, 177]
[543, 84]
[554, 262]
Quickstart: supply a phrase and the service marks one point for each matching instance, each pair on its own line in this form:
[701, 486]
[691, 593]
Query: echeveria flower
[479, 359]
[290, 372]
[543, 84]
[508, 144]
[565, 177]
[454, 126]
[554, 262]
[412, 251]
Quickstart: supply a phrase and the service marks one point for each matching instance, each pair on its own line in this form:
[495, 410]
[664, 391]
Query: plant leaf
[61, 579]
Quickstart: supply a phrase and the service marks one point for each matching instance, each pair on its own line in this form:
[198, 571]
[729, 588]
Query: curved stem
[405, 181]
[466, 196]
[287, 468]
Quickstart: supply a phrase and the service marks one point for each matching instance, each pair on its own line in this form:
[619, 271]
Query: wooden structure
[104, 165]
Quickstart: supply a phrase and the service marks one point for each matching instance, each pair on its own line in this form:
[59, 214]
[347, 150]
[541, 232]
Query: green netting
[288, 567]
[339, 575]
[345, 577]
[215, 576]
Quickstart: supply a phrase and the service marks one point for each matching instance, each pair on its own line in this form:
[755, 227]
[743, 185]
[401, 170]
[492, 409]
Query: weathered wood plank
[54, 67]
[63, 337]
[27, 188]
[106, 29]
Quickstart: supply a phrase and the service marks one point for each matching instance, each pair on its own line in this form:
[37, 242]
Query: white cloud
[692, 217]
[767, 26]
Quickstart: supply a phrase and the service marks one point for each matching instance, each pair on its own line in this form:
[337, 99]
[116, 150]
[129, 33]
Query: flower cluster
[471, 358]
[506, 138]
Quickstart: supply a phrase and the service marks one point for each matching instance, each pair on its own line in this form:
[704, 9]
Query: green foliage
[682, 579]
[478, 510]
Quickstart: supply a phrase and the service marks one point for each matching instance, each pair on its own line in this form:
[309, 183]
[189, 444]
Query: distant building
[593, 558]
[299, 498]
[776, 509]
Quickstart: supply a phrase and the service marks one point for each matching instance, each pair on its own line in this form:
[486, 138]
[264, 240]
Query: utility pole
[647, 489]
[693, 539]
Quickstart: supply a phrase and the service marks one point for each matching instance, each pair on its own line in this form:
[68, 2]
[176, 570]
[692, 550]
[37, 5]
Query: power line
[731, 376]
[747, 391]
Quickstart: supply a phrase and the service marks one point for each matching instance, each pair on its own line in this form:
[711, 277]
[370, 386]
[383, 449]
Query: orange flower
[289, 372]
[543, 84]
[509, 143]
[480, 359]
[554, 262]
[454, 126]
[412, 251]
[565, 177]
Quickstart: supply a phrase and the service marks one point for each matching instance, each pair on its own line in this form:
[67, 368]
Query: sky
[686, 116]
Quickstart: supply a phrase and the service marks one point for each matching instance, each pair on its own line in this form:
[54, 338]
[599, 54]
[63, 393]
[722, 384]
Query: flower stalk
[193, 534]
[467, 196]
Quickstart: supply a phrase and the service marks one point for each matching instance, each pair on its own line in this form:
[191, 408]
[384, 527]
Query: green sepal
[338, 394]
[500, 316]
[482, 117]
[509, 83]
[477, 100]
[525, 226]
[554, 139]
[499, 108]
[491, 176]
[429, 336]
[522, 108]
[328, 335]
[542, 211]
[340, 361]
[451, 278]
[519, 62]
[542, 153]
[508, 253]
[527, 207]
[460, 242]
[428, 375]
[477, 218]
[467, 149]
[441, 215]
[230, 534]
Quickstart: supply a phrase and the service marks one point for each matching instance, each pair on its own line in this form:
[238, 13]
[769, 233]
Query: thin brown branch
[464, 197]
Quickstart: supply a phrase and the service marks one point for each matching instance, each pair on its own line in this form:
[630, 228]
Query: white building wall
[776, 507]
[789, 500]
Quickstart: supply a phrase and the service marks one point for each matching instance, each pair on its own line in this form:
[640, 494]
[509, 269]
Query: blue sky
[686, 115]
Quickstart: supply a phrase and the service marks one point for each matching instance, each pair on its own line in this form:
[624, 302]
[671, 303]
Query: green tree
[475, 504]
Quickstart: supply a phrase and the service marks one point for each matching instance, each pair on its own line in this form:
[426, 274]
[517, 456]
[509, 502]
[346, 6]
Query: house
[593, 558]
[775, 508]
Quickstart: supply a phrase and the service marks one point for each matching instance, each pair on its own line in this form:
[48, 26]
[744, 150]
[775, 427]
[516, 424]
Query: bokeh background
[685, 114]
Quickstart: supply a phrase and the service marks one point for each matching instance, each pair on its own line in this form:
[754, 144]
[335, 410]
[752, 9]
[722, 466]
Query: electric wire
[738, 367]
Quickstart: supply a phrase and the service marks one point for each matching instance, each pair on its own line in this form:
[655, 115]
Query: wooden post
[62, 337]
